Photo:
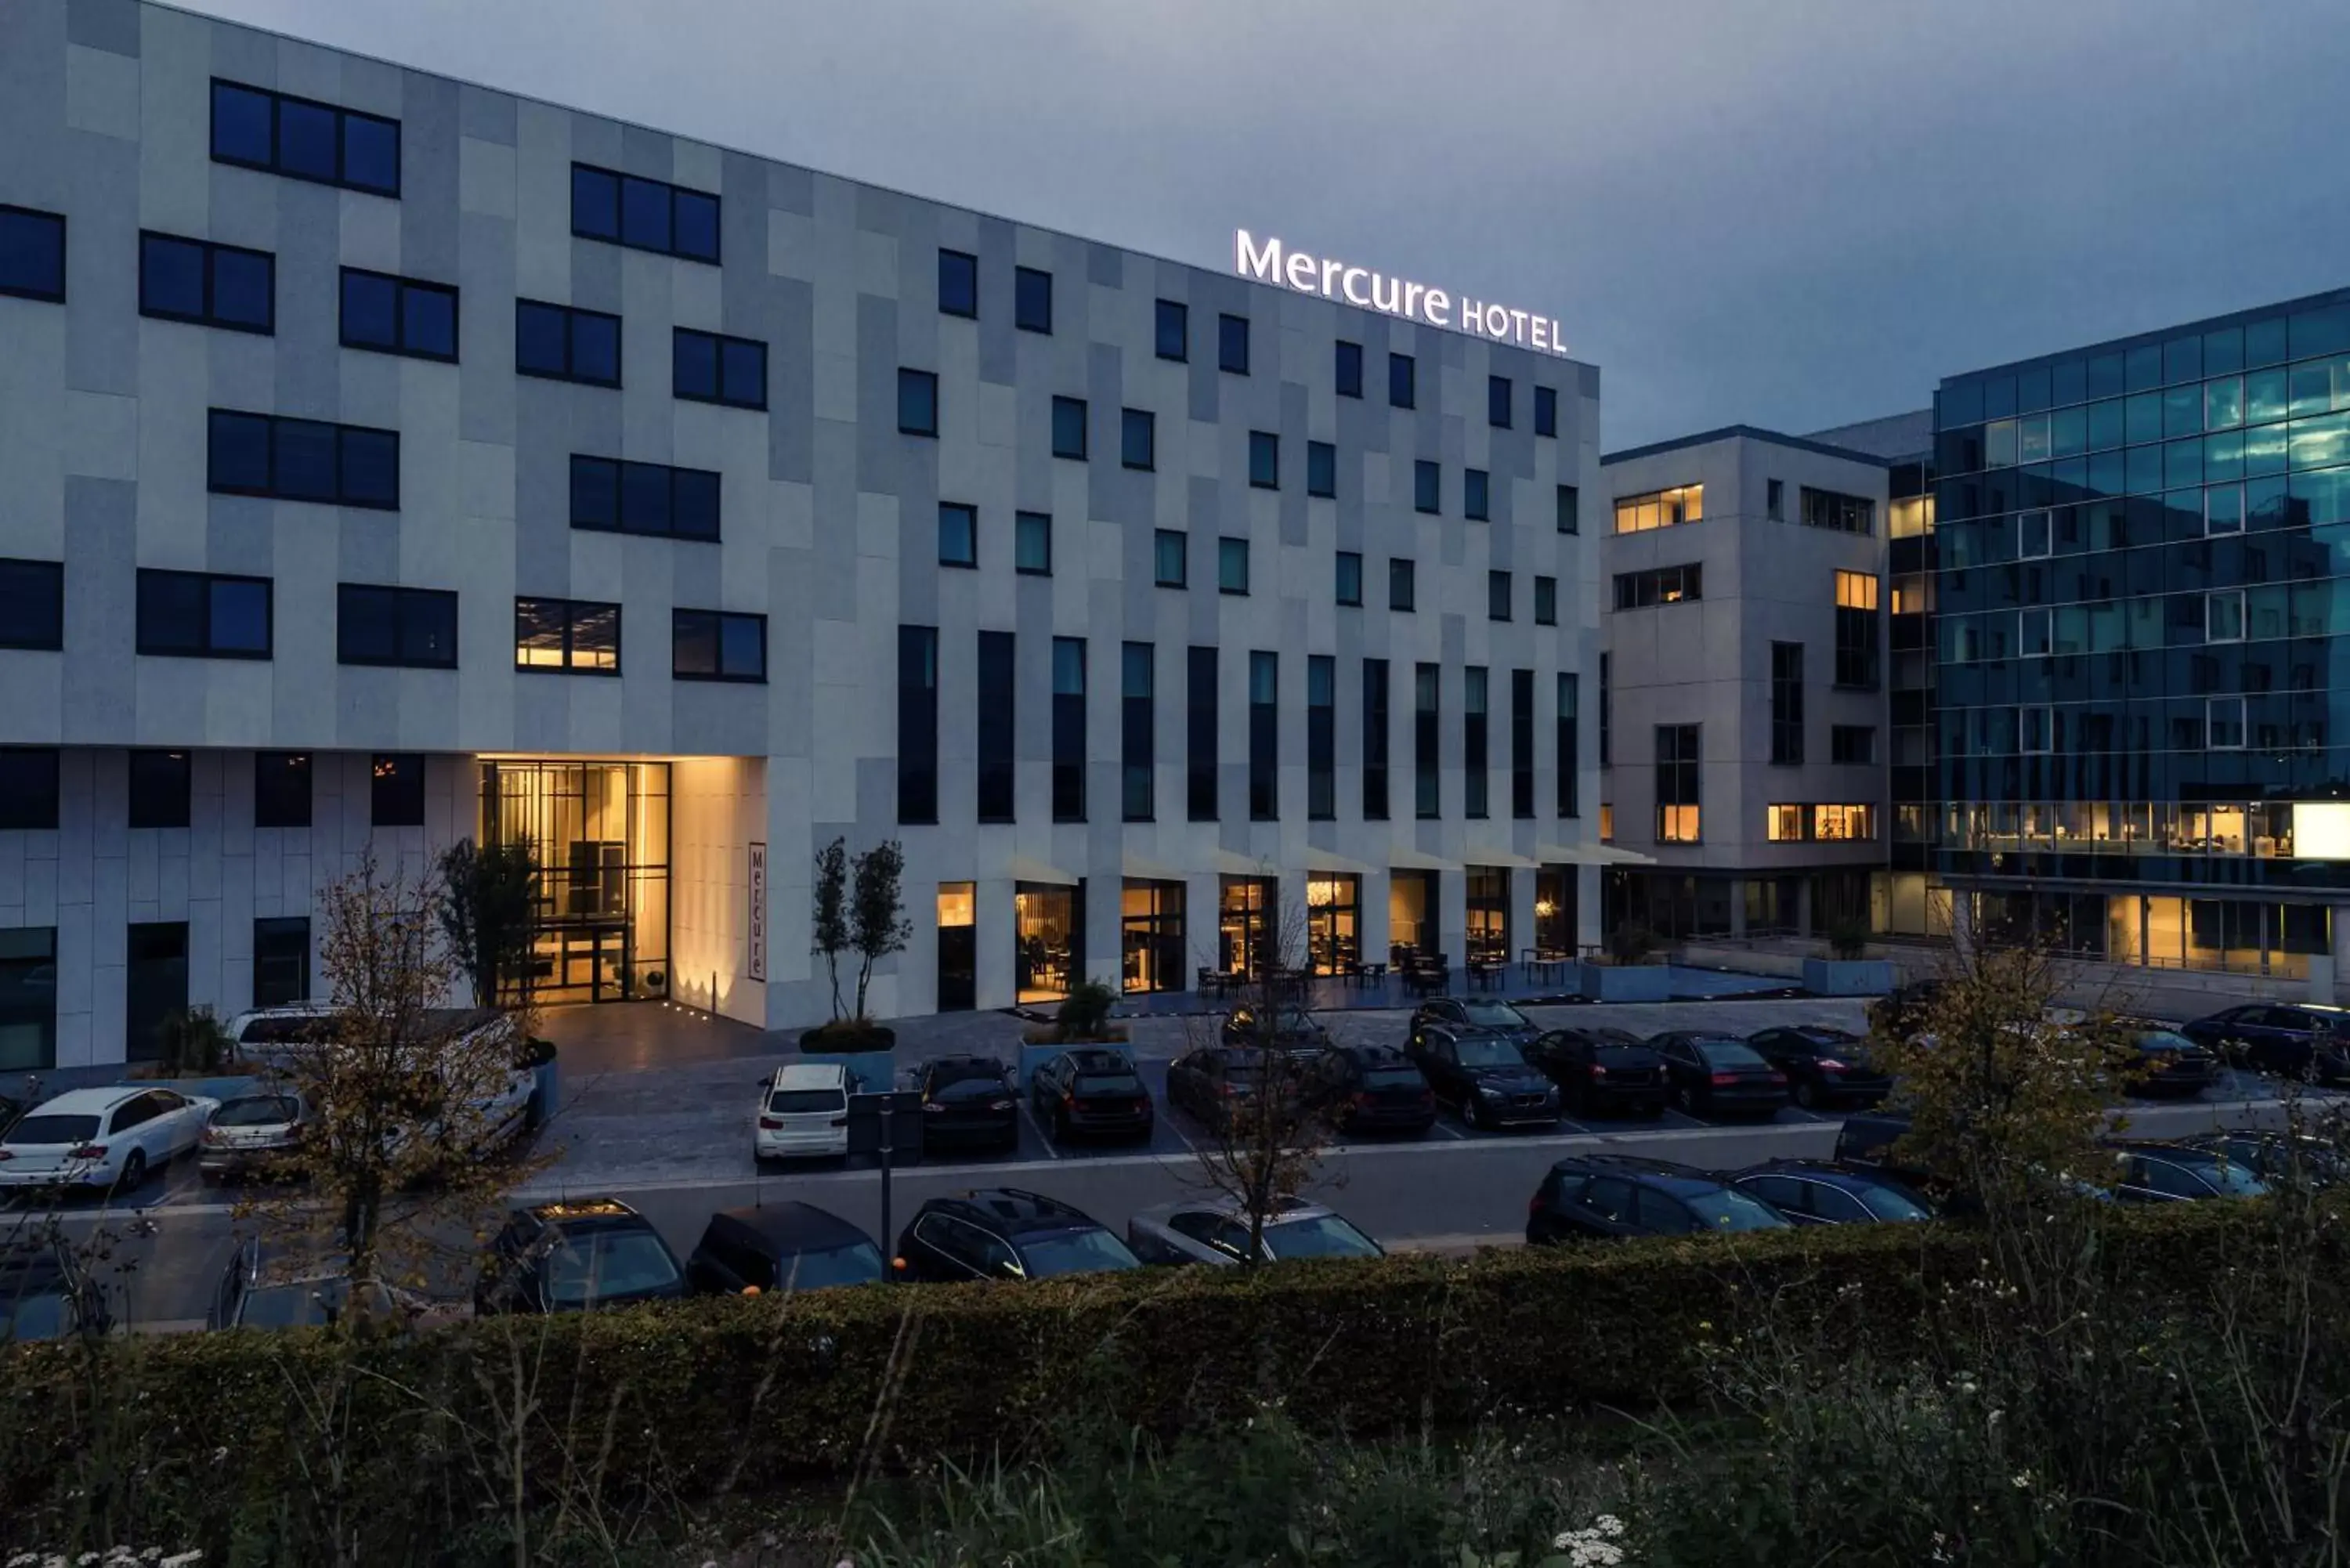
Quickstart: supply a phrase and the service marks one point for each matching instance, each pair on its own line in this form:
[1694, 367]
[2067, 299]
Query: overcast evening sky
[1795, 214]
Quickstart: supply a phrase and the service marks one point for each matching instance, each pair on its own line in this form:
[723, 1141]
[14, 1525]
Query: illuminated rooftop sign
[1274, 262]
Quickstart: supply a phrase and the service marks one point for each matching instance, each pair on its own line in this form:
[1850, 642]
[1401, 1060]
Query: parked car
[1821, 1193]
[803, 1113]
[574, 1255]
[1715, 1075]
[45, 1292]
[1900, 1012]
[2150, 1172]
[2165, 1062]
[781, 1247]
[1371, 1088]
[1599, 1070]
[263, 1033]
[1290, 1030]
[108, 1140]
[2303, 1038]
[1211, 1081]
[1216, 1231]
[966, 1101]
[1005, 1233]
[262, 1289]
[2278, 1159]
[288, 1040]
[1867, 1140]
[252, 1134]
[1486, 1015]
[1613, 1195]
[1091, 1093]
[1825, 1067]
[1484, 1077]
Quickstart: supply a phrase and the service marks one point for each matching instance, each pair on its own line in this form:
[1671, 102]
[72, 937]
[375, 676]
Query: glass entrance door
[598, 835]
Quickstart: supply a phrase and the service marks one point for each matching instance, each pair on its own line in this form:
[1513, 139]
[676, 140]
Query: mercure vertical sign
[1270, 261]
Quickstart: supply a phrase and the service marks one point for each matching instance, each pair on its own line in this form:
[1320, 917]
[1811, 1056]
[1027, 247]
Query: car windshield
[40, 1315]
[1088, 1251]
[1109, 1084]
[1892, 1203]
[603, 1263]
[1495, 1015]
[1391, 1078]
[2164, 1040]
[947, 1073]
[2233, 1180]
[1728, 1054]
[301, 1303]
[859, 1263]
[970, 1089]
[257, 1111]
[1324, 1236]
[40, 1130]
[1724, 1208]
[1477, 1051]
[785, 1100]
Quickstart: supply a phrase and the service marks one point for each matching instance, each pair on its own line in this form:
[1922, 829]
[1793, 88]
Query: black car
[1822, 1192]
[1005, 1233]
[2149, 1172]
[1485, 1015]
[261, 1289]
[1092, 1093]
[781, 1247]
[1600, 1070]
[1371, 1088]
[2300, 1040]
[1290, 1030]
[1900, 1012]
[1211, 1081]
[45, 1292]
[1612, 1195]
[969, 1102]
[1715, 1075]
[576, 1254]
[2278, 1159]
[2165, 1062]
[1825, 1067]
[1484, 1077]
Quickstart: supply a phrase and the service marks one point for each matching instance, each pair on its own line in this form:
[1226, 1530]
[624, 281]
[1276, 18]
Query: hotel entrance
[600, 834]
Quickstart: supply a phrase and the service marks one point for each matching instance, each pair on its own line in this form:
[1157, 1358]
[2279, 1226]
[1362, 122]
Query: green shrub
[1085, 1012]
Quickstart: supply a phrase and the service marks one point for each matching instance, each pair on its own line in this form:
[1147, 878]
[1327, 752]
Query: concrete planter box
[1847, 977]
[1625, 982]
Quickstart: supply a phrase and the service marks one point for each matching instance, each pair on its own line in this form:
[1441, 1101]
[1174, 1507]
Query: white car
[803, 1113]
[1213, 1230]
[106, 1138]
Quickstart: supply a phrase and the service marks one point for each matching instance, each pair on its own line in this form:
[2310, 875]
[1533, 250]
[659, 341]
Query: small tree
[878, 926]
[486, 902]
[828, 927]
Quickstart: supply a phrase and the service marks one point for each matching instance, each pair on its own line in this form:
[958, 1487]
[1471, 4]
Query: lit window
[1855, 590]
[1660, 509]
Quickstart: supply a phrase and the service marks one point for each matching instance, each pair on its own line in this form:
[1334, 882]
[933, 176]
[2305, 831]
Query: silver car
[1216, 1231]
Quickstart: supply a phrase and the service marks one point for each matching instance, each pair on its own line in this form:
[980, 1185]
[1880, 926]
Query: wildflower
[2020, 1481]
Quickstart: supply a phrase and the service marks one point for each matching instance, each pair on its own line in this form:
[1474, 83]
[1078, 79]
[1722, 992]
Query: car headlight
[1489, 1092]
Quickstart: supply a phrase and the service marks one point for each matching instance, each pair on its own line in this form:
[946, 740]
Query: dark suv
[1005, 1233]
[969, 1102]
[1486, 1015]
[1090, 1091]
[1484, 1077]
[1606, 1196]
[1371, 1088]
[1292, 1030]
[1901, 1012]
[1825, 1066]
[1598, 1069]
[2303, 1038]
[574, 1255]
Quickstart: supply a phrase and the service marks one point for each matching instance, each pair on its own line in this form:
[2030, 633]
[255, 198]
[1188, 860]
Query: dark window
[32, 253]
[1265, 737]
[154, 984]
[1787, 702]
[1069, 428]
[1321, 468]
[1546, 411]
[281, 960]
[378, 624]
[1570, 511]
[1350, 577]
[160, 784]
[1232, 344]
[1265, 460]
[304, 460]
[1676, 783]
[1032, 543]
[1570, 751]
[643, 215]
[1403, 381]
[1427, 486]
[1137, 729]
[1606, 714]
[1200, 726]
[1068, 729]
[1426, 797]
[1844, 514]
[32, 603]
[1170, 557]
[1137, 433]
[718, 645]
[212, 285]
[1231, 565]
[281, 789]
[1349, 369]
[1321, 737]
[564, 343]
[28, 788]
[1658, 586]
[1375, 740]
[1545, 601]
[399, 316]
[28, 991]
[1775, 501]
[396, 790]
[1032, 299]
[958, 535]
[1476, 495]
[202, 615]
[1522, 743]
[1497, 595]
[612, 496]
[304, 139]
[1174, 323]
[917, 402]
[958, 283]
[918, 723]
[1852, 743]
[706, 368]
[1400, 582]
[569, 635]
[1475, 760]
[1497, 402]
[995, 716]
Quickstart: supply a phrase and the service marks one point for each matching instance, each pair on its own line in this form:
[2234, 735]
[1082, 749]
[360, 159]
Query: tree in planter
[486, 900]
[878, 926]
[1848, 941]
[829, 921]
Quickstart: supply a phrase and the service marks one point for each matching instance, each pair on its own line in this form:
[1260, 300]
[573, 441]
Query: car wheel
[1468, 1112]
[1686, 1099]
[1808, 1093]
[134, 1172]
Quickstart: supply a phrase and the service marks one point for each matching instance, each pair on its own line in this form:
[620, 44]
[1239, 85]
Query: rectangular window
[28, 788]
[1350, 577]
[1265, 737]
[1200, 735]
[1660, 509]
[709, 368]
[643, 215]
[1819, 824]
[2032, 540]
[1173, 323]
[1138, 731]
[1522, 743]
[1475, 762]
[1774, 500]
[1264, 461]
[1348, 370]
[303, 460]
[1476, 494]
[32, 603]
[1321, 737]
[958, 535]
[281, 960]
[1069, 428]
[1137, 438]
[565, 343]
[1855, 628]
[1607, 715]
[1032, 543]
[304, 140]
[1497, 595]
[574, 635]
[1567, 722]
[958, 283]
[1231, 565]
[33, 255]
[2223, 616]
[211, 284]
[1497, 402]
[718, 645]
[281, 789]
[1545, 601]
[1786, 703]
[1375, 740]
[1321, 468]
[402, 316]
[612, 496]
[917, 402]
[1032, 299]
[203, 615]
[2223, 723]
[1676, 783]
[159, 786]
[1170, 552]
[396, 790]
[1570, 509]
[1232, 344]
[1546, 411]
[1068, 729]
[1854, 743]
[918, 723]
[413, 629]
[28, 991]
[1427, 486]
[1660, 586]
[1403, 382]
[1401, 577]
[1427, 782]
[1841, 514]
[996, 692]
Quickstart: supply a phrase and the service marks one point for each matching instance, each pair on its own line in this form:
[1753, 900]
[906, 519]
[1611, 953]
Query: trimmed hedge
[697, 1400]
